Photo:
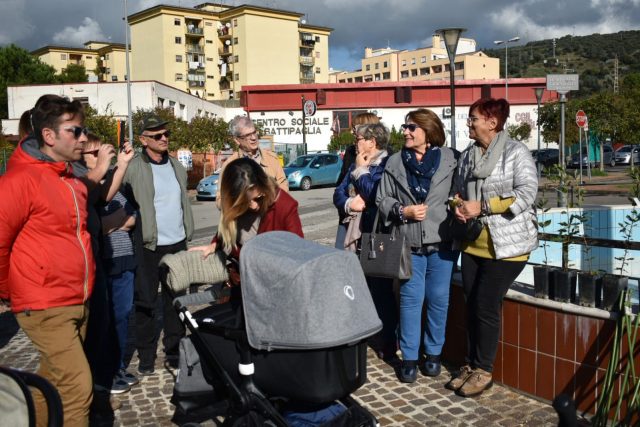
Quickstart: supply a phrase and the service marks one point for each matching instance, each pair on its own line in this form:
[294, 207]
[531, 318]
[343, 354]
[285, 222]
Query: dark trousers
[486, 282]
[146, 296]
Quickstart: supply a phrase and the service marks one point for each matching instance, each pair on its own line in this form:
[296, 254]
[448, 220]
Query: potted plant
[542, 276]
[589, 280]
[614, 284]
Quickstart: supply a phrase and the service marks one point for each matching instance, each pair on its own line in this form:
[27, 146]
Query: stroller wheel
[251, 419]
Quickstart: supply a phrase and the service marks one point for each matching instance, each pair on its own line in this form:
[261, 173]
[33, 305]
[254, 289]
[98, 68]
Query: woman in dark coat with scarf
[413, 194]
[355, 200]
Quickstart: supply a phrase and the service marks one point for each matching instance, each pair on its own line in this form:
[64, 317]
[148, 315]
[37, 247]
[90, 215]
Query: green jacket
[138, 182]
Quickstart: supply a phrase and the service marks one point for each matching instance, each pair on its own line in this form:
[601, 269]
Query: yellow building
[429, 63]
[212, 50]
[104, 61]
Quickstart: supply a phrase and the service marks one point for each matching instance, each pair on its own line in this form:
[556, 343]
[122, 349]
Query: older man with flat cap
[158, 184]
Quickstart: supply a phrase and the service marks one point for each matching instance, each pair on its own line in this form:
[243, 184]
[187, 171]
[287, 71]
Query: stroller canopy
[298, 294]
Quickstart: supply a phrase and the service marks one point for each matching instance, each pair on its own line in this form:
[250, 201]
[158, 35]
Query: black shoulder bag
[385, 254]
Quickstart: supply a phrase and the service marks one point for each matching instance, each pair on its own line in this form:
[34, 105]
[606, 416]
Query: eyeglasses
[471, 120]
[93, 152]
[360, 138]
[410, 126]
[77, 131]
[247, 135]
[158, 136]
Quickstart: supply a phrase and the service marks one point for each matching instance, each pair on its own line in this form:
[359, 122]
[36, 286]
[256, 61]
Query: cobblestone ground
[425, 402]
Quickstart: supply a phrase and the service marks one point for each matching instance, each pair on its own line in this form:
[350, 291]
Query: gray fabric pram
[298, 294]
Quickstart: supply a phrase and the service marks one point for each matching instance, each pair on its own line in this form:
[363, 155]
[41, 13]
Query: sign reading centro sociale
[563, 83]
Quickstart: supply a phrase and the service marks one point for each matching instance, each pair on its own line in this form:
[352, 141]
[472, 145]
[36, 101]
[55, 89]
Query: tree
[19, 67]
[102, 125]
[340, 141]
[74, 73]
[176, 126]
[519, 132]
[207, 133]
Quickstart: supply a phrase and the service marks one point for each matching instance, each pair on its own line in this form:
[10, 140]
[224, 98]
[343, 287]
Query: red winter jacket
[45, 249]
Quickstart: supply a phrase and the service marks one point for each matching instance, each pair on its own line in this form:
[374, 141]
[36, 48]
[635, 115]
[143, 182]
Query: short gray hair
[239, 122]
[375, 131]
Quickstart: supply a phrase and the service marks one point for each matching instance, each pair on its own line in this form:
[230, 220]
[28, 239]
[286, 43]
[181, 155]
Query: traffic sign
[581, 119]
[309, 107]
[563, 83]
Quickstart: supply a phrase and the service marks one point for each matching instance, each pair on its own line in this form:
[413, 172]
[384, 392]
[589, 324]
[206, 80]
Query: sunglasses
[92, 152]
[77, 131]
[410, 126]
[158, 136]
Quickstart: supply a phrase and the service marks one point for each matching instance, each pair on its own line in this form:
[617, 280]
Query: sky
[400, 24]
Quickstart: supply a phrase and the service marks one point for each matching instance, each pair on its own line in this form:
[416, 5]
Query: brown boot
[463, 375]
[477, 382]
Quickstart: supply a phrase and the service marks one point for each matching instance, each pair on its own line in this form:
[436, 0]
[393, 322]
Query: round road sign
[581, 118]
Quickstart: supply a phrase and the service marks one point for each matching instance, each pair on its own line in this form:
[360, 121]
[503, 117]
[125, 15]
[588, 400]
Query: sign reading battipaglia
[292, 126]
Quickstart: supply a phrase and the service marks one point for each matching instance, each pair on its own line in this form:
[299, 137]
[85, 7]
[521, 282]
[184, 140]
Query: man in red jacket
[46, 262]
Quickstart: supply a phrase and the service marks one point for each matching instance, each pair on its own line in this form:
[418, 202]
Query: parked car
[546, 156]
[622, 155]
[208, 187]
[313, 169]
[607, 155]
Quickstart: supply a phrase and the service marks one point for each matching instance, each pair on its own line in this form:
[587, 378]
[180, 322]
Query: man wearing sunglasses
[158, 184]
[245, 135]
[46, 261]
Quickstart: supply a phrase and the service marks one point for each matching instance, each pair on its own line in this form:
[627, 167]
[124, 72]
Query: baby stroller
[289, 350]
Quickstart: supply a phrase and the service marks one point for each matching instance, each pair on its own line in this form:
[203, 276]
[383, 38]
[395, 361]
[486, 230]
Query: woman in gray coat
[413, 194]
[496, 181]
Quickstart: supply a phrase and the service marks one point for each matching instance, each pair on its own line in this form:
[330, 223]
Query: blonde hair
[238, 178]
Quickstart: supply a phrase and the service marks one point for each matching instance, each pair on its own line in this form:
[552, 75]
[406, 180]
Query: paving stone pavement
[425, 402]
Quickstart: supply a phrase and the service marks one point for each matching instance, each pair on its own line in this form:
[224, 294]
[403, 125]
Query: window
[368, 67]
[114, 78]
[235, 58]
[106, 56]
[317, 55]
[424, 71]
[235, 22]
[179, 77]
[413, 61]
[63, 56]
[89, 57]
[377, 66]
[178, 40]
[404, 62]
[404, 74]
[385, 64]
[341, 81]
[235, 40]
[376, 77]
[414, 72]
[318, 70]
[176, 21]
[108, 70]
[423, 59]
[237, 77]
[178, 58]
[208, 41]
[160, 102]
[199, 112]
[386, 76]
[317, 39]
[330, 160]
[210, 77]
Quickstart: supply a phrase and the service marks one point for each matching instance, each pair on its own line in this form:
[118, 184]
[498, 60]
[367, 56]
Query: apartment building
[428, 63]
[104, 61]
[212, 50]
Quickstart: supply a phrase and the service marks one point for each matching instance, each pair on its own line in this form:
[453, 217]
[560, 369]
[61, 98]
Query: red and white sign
[581, 119]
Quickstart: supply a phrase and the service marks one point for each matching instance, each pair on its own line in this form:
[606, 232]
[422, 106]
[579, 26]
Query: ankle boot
[477, 382]
[431, 366]
[408, 372]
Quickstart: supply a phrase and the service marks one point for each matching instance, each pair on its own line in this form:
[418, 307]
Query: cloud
[14, 22]
[88, 30]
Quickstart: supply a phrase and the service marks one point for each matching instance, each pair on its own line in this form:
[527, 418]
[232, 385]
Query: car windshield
[300, 162]
[624, 149]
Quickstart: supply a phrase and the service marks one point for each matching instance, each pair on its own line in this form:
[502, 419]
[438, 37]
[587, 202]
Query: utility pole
[615, 75]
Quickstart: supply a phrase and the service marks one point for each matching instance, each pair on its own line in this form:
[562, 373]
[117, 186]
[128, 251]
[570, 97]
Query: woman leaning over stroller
[496, 181]
[355, 199]
[413, 194]
[251, 204]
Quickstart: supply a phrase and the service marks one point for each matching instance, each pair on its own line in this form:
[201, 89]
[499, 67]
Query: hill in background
[592, 56]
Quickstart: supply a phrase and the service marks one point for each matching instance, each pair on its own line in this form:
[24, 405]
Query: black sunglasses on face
[411, 126]
[77, 131]
[158, 136]
[92, 152]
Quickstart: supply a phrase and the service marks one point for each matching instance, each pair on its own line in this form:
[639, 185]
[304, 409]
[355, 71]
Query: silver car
[607, 154]
[623, 155]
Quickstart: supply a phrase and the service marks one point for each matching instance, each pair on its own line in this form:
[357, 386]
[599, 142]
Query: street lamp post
[126, 50]
[506, 62]
[451, 37]
[539, 92]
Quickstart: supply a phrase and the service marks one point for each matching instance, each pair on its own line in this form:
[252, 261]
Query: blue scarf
[419, 174]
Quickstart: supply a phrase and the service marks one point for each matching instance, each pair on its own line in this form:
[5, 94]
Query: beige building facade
[104, 61]
[429, 63]
[212, 50]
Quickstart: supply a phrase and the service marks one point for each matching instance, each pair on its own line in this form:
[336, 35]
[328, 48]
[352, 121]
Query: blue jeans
[121, 296]
[430, 281]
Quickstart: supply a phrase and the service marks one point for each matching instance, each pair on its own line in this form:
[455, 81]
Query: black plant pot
[541, 280]
[612, 287]
[589, 289]
[564, 289]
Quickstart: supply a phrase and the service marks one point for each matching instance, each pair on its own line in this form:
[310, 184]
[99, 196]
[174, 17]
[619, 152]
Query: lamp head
[451, 37]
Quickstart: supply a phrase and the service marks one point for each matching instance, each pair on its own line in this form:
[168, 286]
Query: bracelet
[401, 214]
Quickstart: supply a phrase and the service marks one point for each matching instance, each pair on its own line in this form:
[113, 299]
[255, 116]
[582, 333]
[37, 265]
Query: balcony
[225, 84]
[225, 31]
[195, 48]
[196, 83]
[225, 51]
[193, 30]
[307, 61]
[196, 66]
